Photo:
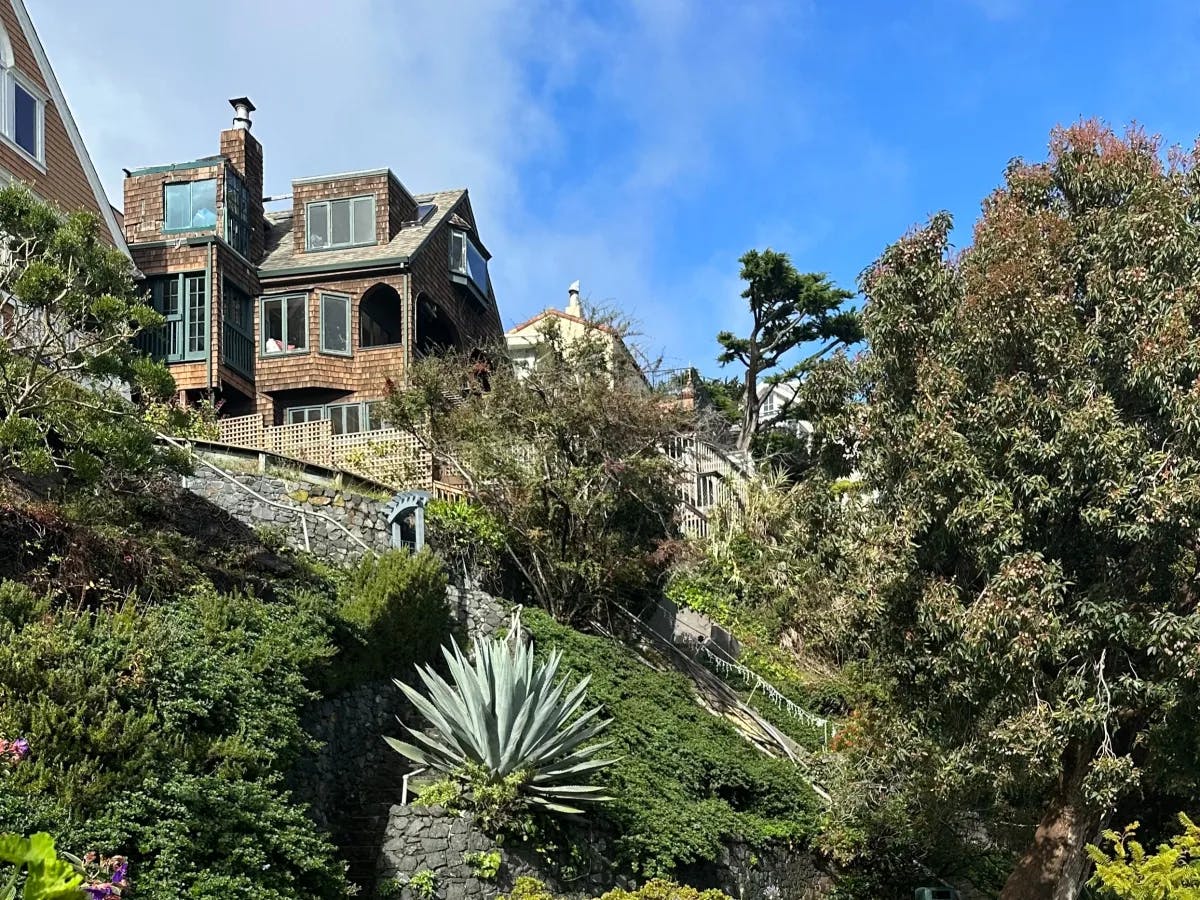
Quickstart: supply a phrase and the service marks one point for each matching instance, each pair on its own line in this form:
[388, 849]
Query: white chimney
[242, 107]
[573, 307]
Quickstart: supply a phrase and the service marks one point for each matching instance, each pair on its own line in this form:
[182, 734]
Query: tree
[68, 366]
[1030, 434]
[787, 310]
[568, 460]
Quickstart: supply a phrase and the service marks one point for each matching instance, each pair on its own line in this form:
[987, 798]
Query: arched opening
[380, 317]
[435, 332]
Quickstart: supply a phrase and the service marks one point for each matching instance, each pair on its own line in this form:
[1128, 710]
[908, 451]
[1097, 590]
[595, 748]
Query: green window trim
[344, 418]
[293, 325]
[330, 320]
[321, 224]
[184, 201]
[237, 213]
[183, 300]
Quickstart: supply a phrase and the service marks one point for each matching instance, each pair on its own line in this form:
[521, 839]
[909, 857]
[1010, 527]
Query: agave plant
[507, 715]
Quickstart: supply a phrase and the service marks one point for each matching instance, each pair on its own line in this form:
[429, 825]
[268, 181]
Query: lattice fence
[242, 431]
[391, 456]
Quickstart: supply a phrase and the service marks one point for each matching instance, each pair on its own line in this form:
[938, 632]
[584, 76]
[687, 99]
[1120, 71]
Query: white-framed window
[335, 323]
[284, 324]
[331, 224]
[24, 114]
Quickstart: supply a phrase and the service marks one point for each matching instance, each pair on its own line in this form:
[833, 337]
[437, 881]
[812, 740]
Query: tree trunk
[749, 410]
[1053, 866]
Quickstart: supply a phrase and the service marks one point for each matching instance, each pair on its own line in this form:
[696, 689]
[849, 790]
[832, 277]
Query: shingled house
[301, 314]
[39, 142]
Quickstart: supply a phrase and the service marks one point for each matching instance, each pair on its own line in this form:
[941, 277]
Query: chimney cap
[573, 307]
[242, 108]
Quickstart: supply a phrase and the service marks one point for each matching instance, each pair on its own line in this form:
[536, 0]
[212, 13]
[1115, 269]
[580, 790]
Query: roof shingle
[281, 255]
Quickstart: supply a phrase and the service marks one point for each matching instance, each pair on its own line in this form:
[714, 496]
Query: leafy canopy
[788, 309]
[1030, 433]
[566, 459]
[68, 365]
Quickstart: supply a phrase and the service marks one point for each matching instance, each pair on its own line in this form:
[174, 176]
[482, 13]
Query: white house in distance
[773, 401]
[527, 342]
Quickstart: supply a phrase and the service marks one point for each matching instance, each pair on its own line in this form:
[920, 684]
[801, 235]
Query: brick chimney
[245, 154]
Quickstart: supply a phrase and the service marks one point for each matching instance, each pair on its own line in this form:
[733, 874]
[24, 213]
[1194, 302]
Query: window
[467, 259]
[24, 108]
[237, 213]
[347, 418]
[284, 324]
[344, 418]
[299, 414]
[335, 323]
[340, 223]
[239, 311]
[183, 301]
[424, 211]
[190, 206]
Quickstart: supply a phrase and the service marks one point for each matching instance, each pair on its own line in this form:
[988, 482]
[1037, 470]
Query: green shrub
[485, 866]
[423, 884]
[685, 781]
[163, 733]
[466, 536]
[395, 607]
[665, 890]
[527, 888]
[1130, 873]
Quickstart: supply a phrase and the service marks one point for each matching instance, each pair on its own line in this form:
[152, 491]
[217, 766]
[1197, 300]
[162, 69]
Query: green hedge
[163, 732]
[686, 781]
[395, 613]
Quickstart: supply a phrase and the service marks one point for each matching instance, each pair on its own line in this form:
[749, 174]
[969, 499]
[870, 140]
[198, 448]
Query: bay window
[284, 324]
[335, 323]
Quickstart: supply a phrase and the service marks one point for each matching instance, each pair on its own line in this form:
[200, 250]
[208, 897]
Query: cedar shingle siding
[410, 257]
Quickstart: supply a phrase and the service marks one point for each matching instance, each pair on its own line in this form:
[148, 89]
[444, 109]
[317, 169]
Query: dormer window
[466, 259]
[190, 206]
[333, 224]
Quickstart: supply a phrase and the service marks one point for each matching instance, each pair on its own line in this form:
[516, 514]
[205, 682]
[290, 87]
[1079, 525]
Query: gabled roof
[68, 120]
[558, 313]
[282, 259]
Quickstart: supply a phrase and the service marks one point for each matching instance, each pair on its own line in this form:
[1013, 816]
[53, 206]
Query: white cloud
[577, 131]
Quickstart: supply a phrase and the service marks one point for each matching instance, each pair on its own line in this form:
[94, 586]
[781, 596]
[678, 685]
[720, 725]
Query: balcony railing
[238, 350]
[165, 343]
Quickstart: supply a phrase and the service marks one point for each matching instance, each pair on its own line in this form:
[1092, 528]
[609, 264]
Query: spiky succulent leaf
[507, 713]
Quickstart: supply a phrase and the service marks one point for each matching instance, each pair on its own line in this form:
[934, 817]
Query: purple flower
[119, 873]
[100, 892]
[21, 747]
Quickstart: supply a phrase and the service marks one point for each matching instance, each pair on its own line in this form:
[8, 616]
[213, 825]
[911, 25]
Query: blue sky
[642, 146]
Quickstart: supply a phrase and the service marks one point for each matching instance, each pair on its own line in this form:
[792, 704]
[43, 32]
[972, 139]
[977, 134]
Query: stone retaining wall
[309, 516]
[429, 839]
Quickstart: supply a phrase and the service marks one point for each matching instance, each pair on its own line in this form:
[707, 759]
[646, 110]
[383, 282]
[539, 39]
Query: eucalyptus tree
[1031, 436]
